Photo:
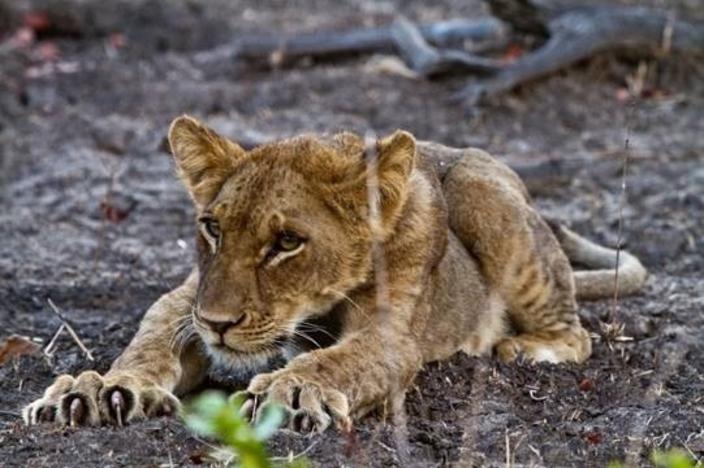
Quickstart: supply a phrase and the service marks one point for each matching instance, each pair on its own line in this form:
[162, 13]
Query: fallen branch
[488, 32]
[578, 33]
[569, 34]
[70, 330]
[427, 60]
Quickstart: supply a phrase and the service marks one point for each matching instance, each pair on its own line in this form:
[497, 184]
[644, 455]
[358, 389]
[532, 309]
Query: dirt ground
[92, 217]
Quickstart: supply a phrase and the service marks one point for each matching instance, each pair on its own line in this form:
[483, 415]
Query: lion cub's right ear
[204, 159]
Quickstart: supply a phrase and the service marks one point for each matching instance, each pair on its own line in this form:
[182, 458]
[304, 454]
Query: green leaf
[674, 458]
[209, 404]
[237, 399]
[269, 421]
[202, 426]
[300, 462]
[213, 415]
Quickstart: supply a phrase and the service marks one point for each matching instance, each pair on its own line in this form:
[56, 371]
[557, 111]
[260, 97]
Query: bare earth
[89, 128]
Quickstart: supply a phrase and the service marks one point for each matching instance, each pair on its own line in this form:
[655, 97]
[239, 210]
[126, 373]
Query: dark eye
[211, 227]
[287, 242]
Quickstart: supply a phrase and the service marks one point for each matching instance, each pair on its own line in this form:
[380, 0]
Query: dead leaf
[512, 53]
[37, 20]
[623, 95]
[586, 384]
[115, 211]
[593, 437]
[117, 40]
[15, 346]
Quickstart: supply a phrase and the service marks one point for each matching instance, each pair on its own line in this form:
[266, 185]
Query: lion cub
[360, 262]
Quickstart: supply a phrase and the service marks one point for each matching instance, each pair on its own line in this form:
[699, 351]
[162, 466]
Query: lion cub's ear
[204, 158]
[396, 159]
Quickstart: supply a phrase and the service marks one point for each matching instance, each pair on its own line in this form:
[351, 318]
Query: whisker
[178, 320]
[345, 297]
[185, 338]
[183, 333]
[309, 327]
[306, 337]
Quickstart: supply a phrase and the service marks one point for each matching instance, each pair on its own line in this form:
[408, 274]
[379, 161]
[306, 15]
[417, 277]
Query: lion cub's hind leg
[520, 257]
[540, 291]
[569, 345]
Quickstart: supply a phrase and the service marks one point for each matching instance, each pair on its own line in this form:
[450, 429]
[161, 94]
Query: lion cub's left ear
[204, 159]
[396, 160]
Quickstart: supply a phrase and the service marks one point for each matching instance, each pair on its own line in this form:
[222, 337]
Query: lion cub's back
[443, 158]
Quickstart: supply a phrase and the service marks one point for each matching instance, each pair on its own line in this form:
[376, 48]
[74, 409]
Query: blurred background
[92, 216]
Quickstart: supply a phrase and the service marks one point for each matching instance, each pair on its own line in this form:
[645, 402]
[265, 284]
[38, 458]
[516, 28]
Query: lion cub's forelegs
[519, 255]
[371, 366]
[141, 381]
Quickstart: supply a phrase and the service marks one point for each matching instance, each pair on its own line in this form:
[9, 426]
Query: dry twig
[569, 34]
[577, 33]
[483, 33]
[70, 330]
[49, 350]
[427, 60]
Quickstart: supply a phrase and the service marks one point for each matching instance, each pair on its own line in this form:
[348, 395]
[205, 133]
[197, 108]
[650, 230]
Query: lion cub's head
[283, 230]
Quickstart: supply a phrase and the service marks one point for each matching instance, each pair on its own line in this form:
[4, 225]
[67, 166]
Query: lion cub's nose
[221, 326]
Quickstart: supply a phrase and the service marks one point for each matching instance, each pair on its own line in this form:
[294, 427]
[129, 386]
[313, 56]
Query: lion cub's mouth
[310, 334]
[226, 356]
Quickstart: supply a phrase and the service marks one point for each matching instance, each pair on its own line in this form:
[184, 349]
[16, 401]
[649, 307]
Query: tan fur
[448, 254]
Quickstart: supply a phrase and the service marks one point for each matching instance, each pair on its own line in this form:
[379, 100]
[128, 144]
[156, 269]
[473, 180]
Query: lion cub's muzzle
[221, 327]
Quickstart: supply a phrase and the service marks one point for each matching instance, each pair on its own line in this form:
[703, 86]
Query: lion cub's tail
[598, 282]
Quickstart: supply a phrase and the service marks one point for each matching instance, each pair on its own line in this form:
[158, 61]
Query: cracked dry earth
[92, 217]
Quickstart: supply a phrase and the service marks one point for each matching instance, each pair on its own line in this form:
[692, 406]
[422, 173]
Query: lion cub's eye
[210, 226]
[287, 242]
[286, 245]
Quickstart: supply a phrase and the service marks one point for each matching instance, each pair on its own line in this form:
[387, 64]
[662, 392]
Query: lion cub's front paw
[92, 399]
[311, 405]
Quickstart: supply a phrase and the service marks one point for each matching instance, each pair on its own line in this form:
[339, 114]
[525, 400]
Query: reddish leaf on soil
[113, 213]
[117, 40]
[15, 346]
[512, 53]
[586, 385]
[593, 437]
[37, 20]
[623, 95]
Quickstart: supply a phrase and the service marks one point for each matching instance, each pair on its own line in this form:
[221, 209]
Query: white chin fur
[232, 360]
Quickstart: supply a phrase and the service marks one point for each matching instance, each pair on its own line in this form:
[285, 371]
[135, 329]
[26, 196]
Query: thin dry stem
[49, 350]
[71, 331]
[614, 328]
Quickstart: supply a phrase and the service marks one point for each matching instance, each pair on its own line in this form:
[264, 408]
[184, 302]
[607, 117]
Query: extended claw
[46, 414]
[117, 402]
[167, 409]
[76, 411]
[303, 423]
